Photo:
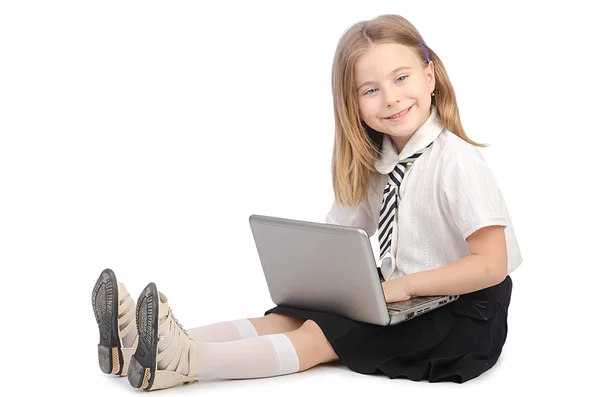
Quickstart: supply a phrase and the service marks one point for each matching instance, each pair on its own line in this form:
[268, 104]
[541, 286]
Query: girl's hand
[396, 290]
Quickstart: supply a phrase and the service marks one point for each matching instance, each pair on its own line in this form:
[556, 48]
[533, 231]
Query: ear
[430, 73]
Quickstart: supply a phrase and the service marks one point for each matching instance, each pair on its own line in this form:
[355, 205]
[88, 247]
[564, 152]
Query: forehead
[381, 59]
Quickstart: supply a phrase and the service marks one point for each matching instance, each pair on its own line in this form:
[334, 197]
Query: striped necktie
[391, 199]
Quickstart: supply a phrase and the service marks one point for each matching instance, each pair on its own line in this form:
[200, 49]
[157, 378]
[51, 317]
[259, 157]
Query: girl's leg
[274, 323]
[166, 356]
[228, 331]
[225, 331]
[311, 345]
[265, 356]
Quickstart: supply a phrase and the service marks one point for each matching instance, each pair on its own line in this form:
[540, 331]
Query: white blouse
[447, 194]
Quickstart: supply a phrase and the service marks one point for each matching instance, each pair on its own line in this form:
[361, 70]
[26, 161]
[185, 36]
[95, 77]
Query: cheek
[425, 98]
[422, 92]
[368, 109]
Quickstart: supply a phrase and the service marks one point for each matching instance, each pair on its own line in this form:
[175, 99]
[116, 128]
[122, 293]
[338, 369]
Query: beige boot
[162, 339]
[115, 314]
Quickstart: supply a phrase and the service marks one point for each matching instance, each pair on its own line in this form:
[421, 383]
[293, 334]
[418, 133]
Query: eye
[399, 79]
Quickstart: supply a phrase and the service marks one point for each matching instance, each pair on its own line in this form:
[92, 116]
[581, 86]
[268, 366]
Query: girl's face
[390, 80]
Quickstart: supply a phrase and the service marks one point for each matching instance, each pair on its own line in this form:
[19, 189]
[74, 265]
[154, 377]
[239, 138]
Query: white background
[141, 136]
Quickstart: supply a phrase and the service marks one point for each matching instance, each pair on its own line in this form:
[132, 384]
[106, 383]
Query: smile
[399, 115]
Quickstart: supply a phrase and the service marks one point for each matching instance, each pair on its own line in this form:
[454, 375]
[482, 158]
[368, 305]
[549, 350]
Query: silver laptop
[324, 267]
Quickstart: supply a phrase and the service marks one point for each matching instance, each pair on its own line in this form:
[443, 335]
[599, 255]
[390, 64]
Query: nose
[391, 98]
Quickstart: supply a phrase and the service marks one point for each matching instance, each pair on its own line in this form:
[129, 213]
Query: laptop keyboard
[409, 304]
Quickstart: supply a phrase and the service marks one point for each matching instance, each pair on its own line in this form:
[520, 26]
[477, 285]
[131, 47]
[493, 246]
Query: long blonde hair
[357, 146]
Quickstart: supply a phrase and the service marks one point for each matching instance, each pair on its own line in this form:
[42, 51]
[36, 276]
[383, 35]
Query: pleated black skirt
[455, 343]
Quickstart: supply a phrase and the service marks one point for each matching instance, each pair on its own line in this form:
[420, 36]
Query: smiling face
[393, 90]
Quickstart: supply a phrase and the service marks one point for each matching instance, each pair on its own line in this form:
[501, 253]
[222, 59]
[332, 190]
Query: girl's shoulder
[451, 147]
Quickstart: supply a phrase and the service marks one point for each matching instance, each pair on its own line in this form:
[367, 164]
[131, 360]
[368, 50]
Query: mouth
[398, 115]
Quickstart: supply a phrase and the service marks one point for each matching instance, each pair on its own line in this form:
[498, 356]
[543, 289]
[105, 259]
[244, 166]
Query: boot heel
[109, 359]
[137, 375]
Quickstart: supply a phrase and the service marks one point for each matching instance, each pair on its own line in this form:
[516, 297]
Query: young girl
[402, 166]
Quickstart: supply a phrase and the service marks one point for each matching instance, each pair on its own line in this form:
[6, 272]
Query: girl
[402, 166]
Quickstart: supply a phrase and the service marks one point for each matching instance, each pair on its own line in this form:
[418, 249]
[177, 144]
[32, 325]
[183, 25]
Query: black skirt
[455, 343]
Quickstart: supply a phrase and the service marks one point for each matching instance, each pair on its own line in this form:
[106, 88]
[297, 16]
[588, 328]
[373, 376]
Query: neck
[400, 142]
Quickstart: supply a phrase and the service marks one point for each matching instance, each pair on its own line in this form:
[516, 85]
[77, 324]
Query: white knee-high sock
[259, 357]
[223, 332]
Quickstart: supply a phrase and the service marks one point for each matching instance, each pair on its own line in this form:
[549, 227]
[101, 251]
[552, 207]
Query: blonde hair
[357, 146]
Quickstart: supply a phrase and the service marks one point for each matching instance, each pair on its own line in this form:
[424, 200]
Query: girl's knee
[274, 323]
[313, 332]
[316, 343]
[312, 327]
[285, 322]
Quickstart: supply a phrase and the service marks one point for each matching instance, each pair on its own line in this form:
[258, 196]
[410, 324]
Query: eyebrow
[391, 73]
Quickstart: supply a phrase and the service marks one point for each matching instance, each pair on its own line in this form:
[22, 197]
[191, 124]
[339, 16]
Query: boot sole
[142, 369]
[105, 302]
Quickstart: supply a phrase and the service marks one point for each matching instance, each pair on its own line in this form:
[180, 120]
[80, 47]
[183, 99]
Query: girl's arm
[487, 265]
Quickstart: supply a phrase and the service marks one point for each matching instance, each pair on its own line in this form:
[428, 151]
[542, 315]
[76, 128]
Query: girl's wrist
[411, 284]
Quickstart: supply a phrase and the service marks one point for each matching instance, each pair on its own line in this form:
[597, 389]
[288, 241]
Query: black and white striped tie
[391, 199]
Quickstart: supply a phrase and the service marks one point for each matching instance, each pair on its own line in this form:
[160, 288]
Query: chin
[399, 132]
[402, 134]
